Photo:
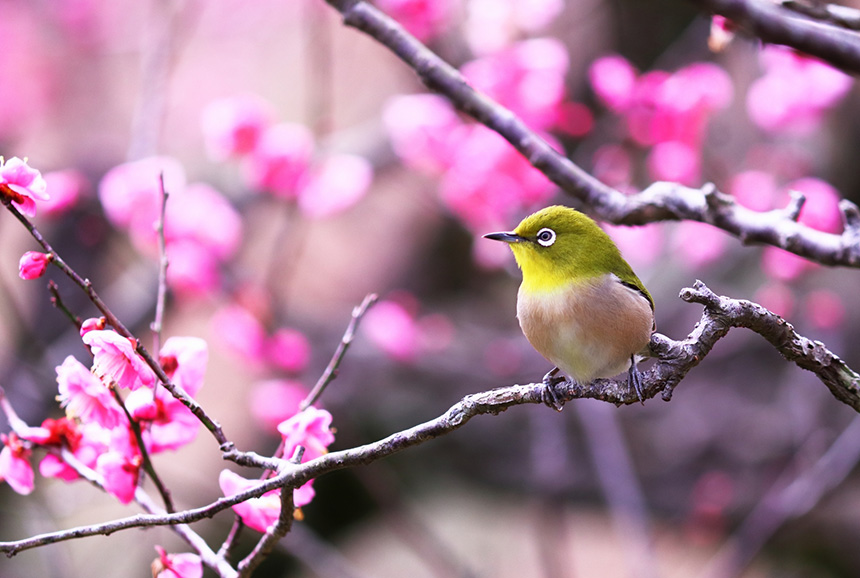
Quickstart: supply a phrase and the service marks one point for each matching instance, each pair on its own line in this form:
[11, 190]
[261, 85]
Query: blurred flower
[201, 215]
[232, 126]
[33, 264]
[612, 164]
[65, 189]
[528, 78]
[674, 161]
[421, 127]
[184, 361]
[722, 33]
[492, 25]
[289, 350]
[281, 159]
[824, 309]
[192, 269]
[130, 194]
[755, 190]
[257, 513]
[392, 328]
[698, 244]
[424, 19]
[85, 397]
[276, 400]
[176, 565]
[795, 91]
[641, 246]
[335, 184]
[22, 185]
[613, 80]
[116, 362]
[776, 297]
[241, 332]
[15, 468]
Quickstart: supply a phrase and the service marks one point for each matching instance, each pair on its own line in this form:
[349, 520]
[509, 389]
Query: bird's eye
[546, 237]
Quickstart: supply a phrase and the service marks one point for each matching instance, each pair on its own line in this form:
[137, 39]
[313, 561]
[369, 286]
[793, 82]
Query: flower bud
[33, 264]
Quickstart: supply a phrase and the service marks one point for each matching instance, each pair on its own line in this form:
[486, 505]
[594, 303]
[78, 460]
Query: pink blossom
[130, 193]
[288, 349]
[22, 185]
[795, 91]
[116, 362]
[424, 19]
[93, 324]
[257, 513]
[276, 400]
[310, 429]
[574, 119]
[33, 265]
[85, 396]
[392, 328]
[613, 80]
[65, 187]
[825, 309]
[281, 159]
[15, 468]
[784, 266]
[421, 127]
[193, 269]
[821, 209]
[241, 332]
[528, 78]
[86, 442]
[202, 215]
[755, 190]
[674, 161]
[491, 25]
[176, 565]
[184, 360]
[335, 184]
[699, 244]
[232, 126]
[120, 465]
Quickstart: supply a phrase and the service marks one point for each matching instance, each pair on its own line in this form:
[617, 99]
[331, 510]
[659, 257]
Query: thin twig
[58, 303]
[163, 263]
[331, 369]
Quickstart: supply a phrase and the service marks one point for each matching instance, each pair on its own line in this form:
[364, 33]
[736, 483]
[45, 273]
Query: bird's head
[558, 245]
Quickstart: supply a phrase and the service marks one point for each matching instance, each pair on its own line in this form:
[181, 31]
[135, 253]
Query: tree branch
[774, 22]
[660, 201]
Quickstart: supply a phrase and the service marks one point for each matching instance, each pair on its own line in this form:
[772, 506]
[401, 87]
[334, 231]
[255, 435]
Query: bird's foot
[548, 394]
[634, 380]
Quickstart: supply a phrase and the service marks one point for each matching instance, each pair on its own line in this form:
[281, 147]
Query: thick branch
[659, 202]
[777, 24]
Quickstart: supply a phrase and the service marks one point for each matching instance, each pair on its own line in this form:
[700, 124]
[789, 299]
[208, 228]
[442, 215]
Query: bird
[580, 304]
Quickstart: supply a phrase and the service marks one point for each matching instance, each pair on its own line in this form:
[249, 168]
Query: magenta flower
[310, 429]
[22, 185]
[85, 397]
[116, 362]
[288, 349]
[232, 126]
[120, 465]
[424, 19]
[176, 565]
[279, 162]
[276, 400]
[66, 188]
[171, 424]
[86, 441]
[33, 265]
[241, 332]
[15, 468]
[334, 185]
[257, 513]
[392, 327]
[421, 128]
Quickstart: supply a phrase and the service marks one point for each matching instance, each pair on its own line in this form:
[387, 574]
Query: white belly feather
[589, 329]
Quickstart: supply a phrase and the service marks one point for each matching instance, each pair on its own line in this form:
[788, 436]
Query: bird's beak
[506, 237]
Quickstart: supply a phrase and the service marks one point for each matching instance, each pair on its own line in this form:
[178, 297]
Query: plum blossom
[15, 468]
[492, 26]
[86, 441]
[795, 91]
[241, 332]
[257, 513]
[116, 362]
[280, 160]
[120, 465]
[184, 565]
[288, 349]
[85, 397]
[334, 184]
[275, 400]
[66, 188]
[33, 265]
[424, 19]
[22, 185]
[232, 126]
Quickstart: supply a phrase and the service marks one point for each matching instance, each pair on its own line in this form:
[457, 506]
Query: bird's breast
[590, 328]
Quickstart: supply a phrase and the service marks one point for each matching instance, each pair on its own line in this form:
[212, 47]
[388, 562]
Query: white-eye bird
[580, 304]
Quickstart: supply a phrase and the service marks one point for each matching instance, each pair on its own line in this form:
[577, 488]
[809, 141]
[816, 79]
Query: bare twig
[660, 201]
[163, 263]
[332, 368]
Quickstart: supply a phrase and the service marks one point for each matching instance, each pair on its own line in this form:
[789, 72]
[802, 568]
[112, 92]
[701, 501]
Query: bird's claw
[634, 379]
[549, 396]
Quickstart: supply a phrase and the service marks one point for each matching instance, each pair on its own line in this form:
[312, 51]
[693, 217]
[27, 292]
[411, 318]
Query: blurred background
[308, 167]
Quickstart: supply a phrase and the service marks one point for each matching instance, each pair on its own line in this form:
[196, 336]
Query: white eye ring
[545, 237]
